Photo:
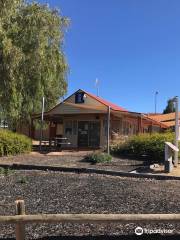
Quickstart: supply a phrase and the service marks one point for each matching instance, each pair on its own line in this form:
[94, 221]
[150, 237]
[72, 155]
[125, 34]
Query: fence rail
[89, 218]
[20, 219]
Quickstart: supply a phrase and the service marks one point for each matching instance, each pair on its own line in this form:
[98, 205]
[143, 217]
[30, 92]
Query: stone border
[17, 166]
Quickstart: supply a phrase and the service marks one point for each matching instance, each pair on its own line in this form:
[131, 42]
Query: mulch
[55, 192]
[72, 160]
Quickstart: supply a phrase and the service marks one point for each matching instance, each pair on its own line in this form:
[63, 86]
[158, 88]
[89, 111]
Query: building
[82, 118]
[167, 119]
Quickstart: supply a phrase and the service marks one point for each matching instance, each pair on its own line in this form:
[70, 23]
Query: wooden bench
[44, 144]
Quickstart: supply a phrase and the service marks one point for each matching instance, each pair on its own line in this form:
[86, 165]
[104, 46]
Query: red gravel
[72, 160]
[53, 192]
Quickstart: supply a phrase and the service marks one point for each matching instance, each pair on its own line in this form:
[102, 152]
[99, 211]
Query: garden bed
[72, 160]
[53, 192]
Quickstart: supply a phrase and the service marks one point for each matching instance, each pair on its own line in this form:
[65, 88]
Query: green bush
[6, 171]
[152, 146]
[23, 180]
[99, 158]
[13, 143]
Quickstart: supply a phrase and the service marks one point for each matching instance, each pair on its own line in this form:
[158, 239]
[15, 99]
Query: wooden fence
[20, 219]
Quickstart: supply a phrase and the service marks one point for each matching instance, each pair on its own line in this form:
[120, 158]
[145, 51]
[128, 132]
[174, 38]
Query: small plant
[99, 158]
[1, 171]
[6, 171]
[23, 180]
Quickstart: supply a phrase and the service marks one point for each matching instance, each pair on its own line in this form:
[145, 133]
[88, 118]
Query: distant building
[167, 119]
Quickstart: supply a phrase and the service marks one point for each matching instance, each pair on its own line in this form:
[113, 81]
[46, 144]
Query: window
[79, 97]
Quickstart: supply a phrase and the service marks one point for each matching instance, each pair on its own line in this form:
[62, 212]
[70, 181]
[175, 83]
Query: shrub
[13, 143]
[99, 158]
[23, 180]
[145, 144]
[6, 171]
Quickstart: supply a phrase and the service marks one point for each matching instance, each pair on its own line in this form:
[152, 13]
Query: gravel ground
[55, 192]
[72, 160]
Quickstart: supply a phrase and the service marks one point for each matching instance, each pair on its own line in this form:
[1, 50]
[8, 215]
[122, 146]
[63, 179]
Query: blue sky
[131, 46]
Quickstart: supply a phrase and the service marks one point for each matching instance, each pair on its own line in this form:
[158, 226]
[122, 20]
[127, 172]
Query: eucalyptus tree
[170, 107]
[32, 60]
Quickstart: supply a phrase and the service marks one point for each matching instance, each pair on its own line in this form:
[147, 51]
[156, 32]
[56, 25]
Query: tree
[170, 107]
[32, 61]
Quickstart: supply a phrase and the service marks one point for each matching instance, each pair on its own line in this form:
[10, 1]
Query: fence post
[20, 227]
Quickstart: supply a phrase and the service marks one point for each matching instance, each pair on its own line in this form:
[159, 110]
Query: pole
[42, 119]
[156, 93]
[176, 130]
[97, 91]
[97, 87]
[20, 227]
[108, 128]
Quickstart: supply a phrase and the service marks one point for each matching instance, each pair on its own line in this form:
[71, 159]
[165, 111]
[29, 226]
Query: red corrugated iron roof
[106, 103]
[113, 106]
[164, 117]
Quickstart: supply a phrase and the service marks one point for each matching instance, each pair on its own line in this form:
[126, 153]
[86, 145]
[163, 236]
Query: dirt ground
[53, 192]
[71, 159]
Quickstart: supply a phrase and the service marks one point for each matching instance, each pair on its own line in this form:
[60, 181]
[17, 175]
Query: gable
[70, 106]
[85, 102]
[88, 100]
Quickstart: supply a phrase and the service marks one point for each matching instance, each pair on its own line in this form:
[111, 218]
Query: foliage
[32, 61]
[6, 171]
[170, 107]
[38, 124]
[23, 180]
[99, 158]
[12, 143]
[150, 145]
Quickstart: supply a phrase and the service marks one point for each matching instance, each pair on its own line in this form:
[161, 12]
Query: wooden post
[42, 121]
[20, 227]
[31, 129]
[140, 125]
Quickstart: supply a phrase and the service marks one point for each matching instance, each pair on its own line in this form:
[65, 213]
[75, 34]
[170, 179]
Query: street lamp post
[175, 99]
[155, 101]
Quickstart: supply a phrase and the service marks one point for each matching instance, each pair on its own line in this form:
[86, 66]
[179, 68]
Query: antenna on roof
[97, 87]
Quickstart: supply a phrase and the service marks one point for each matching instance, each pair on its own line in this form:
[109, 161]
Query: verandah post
[42, 121]
[108, 128]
